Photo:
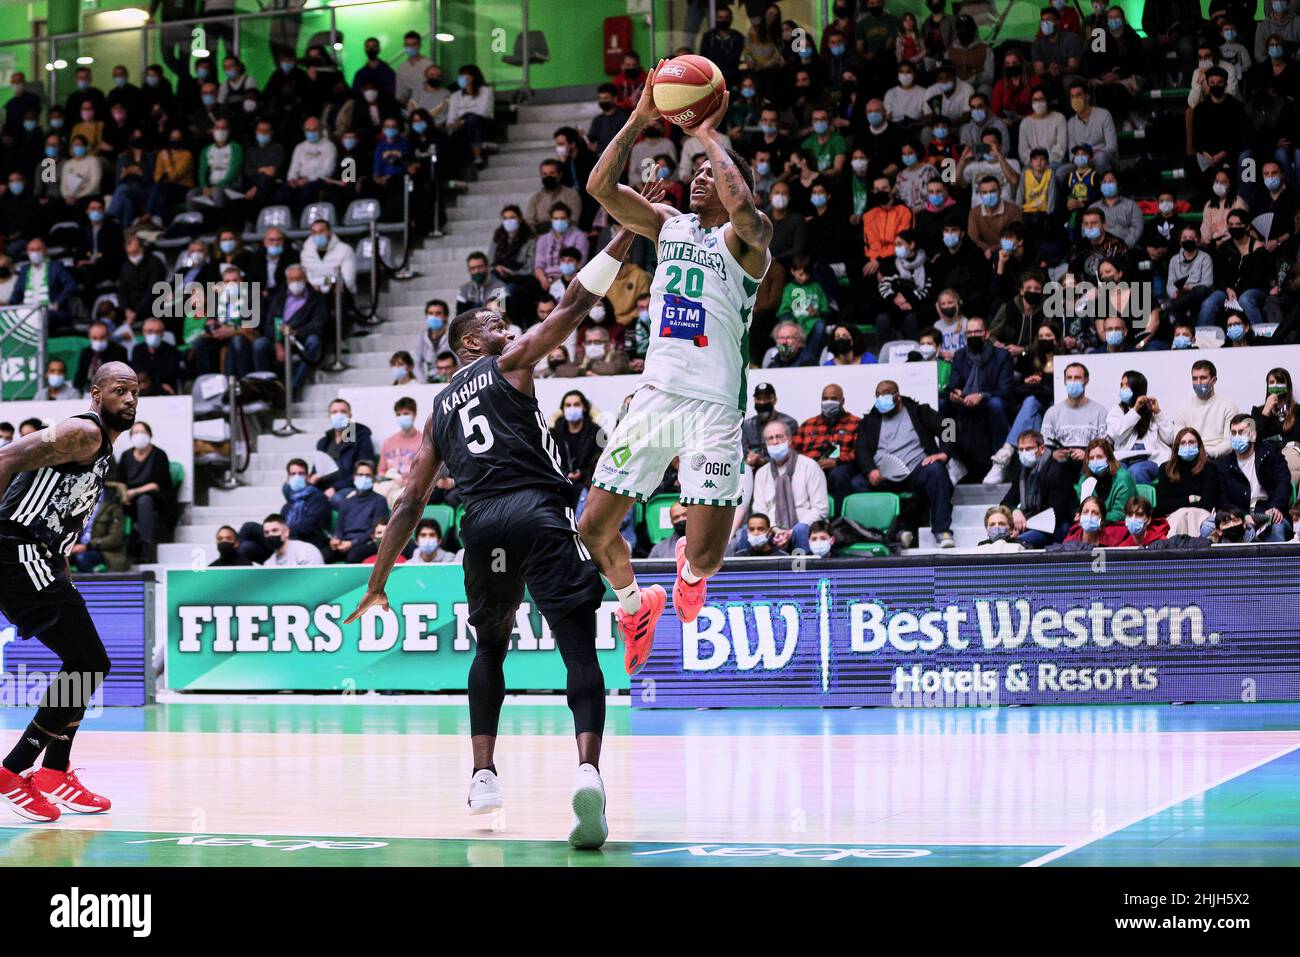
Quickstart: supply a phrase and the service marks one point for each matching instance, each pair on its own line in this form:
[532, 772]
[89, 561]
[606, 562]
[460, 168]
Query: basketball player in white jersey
[692, 398]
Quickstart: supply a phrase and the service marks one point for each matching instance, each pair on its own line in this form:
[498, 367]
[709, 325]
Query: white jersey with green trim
[701, 304]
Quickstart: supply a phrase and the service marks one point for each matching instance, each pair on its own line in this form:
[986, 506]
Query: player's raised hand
[372, 599]
[646, 111]
[654, 190]
[705, 129]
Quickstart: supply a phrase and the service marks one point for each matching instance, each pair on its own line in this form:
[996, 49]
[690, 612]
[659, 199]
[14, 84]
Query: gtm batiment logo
[76, 910]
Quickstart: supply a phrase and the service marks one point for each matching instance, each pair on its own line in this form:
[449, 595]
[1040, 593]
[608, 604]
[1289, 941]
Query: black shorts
[34, 588]
[526, 538]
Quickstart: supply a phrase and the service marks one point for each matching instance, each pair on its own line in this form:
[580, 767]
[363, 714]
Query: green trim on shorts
[709, 501]
[620, 491]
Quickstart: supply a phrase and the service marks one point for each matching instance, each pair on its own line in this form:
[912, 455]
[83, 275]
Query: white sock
[689, 576]
[629, 598]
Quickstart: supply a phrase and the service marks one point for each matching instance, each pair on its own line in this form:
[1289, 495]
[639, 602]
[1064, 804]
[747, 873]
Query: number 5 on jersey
[478, 433]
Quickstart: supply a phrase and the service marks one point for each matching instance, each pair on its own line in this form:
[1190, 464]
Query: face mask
[1097, 466]
[1126, 396]
[29, 125]
[273, 542]
[767, 129]
[820, 127]
[371, 95]
[98, 345]
[928, 351]
[1233, 533]
[462, 81]
[837, 49]
[208, 100]
[593, 351]
[412, 52]
[1092, 232]
[1189, 453]
[390, 132]
[78, 151]
[1007, 245]
[1182, 342]
[560, 226]
[764, 409]
[840, 347]
[1272, 182]
[313, 136]
[875, 118]
[297, 482]
[152, 339]
[1090, 522]
[1276, 388]
[900, 252]
[56, 381]
[349, 143]
[1048, 28]
[1109, 190]
[573, 413]
[399, 373]
[885, 403]
[951, 240]
[433, 322]
[227, 246]
[1114, 24]
[220, 136]
[978, 116]
[1039, 106]
[780, 201]
[419, 126]
[756, 541]
[1135, 525]
[777, 453]
[321, 240]
[95, 215]
[989, 199]
[831, 410]
[363, 483]
[227, 549]
[1235, 331]
[250, 106]
[1028, 459]
[997, 532]
[297, 287]
[859, 166]
[818, 200]
[1114, 337]
[56, 123]
[821, 547]
[263, 139]
[975, 344]
[339, 421]
[428, 546]
[1220, 189]
[909, 159]
[905, 80]
[1229, 36]
[1203, 390]
[1074, 389]
[1240, 444]
[152, 80]
[934, 199]
[568, 269]
[140, 441]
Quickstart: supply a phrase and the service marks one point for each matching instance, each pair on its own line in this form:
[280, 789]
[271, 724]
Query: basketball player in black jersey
[518, 528]
[50, 482]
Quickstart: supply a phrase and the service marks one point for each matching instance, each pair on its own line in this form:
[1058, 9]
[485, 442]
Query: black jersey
[493, 437]
[49, 506]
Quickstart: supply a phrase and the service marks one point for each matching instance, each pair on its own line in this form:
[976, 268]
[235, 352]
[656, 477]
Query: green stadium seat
[177, 473]
[830, 506]
[874, 510]
[444, 515]
[1148, 492]
[658, 526]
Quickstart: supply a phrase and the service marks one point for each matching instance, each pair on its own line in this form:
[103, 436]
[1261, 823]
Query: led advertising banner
[122, 608]
[1111, 628]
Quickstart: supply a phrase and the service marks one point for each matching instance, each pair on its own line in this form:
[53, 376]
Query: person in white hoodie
[1043, 128]
[324, 254]
[1209, 413]
[313, 161]
[1134, 428]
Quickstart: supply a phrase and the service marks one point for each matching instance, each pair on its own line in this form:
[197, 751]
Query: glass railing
[680, 25]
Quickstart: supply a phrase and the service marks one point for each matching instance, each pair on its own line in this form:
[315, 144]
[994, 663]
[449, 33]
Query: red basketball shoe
[638, 630]
[63, 789]
[21, 794]
[687, 599]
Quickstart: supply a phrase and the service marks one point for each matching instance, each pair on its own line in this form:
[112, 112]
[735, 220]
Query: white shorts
[659, 426]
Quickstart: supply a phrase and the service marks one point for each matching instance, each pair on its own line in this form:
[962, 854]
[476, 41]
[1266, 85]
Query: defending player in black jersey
[518, 528]
[50, 482]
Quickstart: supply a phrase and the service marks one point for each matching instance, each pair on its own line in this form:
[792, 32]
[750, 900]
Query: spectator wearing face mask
[1208, 413]
[666, 548]
[578, 437]
[1188, 486]
[979, 394]
[999, 532]
[228, 553]
[1105, 479]
[902, 288]
[99, 350]
[960, 266]
[347, 443]
[756, 539]
[428, 545]
[136, 280]
[433, 338]
[306, 510]
[1087, 531]
[470, 111]
[790, 346]
[986, 221]
[359, 510]
[368, 551]
[1043, 128]
[600, 356]
[1133, 427]
[1277, 418]
[286, 552]
[298, 316]
[1038, 483]
[402, 368]
[312, 163]
[1229, 527]
[790, 488]
[56, 382]
[902, 447]
[829, 440]
[221, 163]
[325, 256]
[1255, 479]
[150, 498]
[398, 450]
[1141, 526]
[157, 359]
[1074, 421]
[751, 430]
[553, 244]
[847, 347]
[789, 230]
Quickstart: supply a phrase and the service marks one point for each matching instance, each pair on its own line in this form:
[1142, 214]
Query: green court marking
[68, 847]
[1251, 821]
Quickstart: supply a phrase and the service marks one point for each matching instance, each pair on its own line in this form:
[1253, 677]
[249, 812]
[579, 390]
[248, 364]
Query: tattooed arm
[72, 440]
[623, 203]
[750, 226]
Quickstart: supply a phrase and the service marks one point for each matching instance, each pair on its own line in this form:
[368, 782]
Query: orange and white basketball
[687, 89]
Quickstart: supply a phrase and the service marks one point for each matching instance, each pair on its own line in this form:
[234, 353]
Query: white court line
[1071, 848]
[167, 696]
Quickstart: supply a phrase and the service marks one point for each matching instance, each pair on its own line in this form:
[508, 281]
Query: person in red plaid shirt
[829, 439]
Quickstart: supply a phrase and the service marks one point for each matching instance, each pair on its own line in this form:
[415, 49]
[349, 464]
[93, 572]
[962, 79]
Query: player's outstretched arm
[582, 293]
[401, 523]
[749, 224]
[627, 206]
[72, 440]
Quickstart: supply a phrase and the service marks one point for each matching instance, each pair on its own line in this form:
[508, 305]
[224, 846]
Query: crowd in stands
[932, 197]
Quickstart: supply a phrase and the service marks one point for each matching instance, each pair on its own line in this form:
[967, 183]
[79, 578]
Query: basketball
[687, 89]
